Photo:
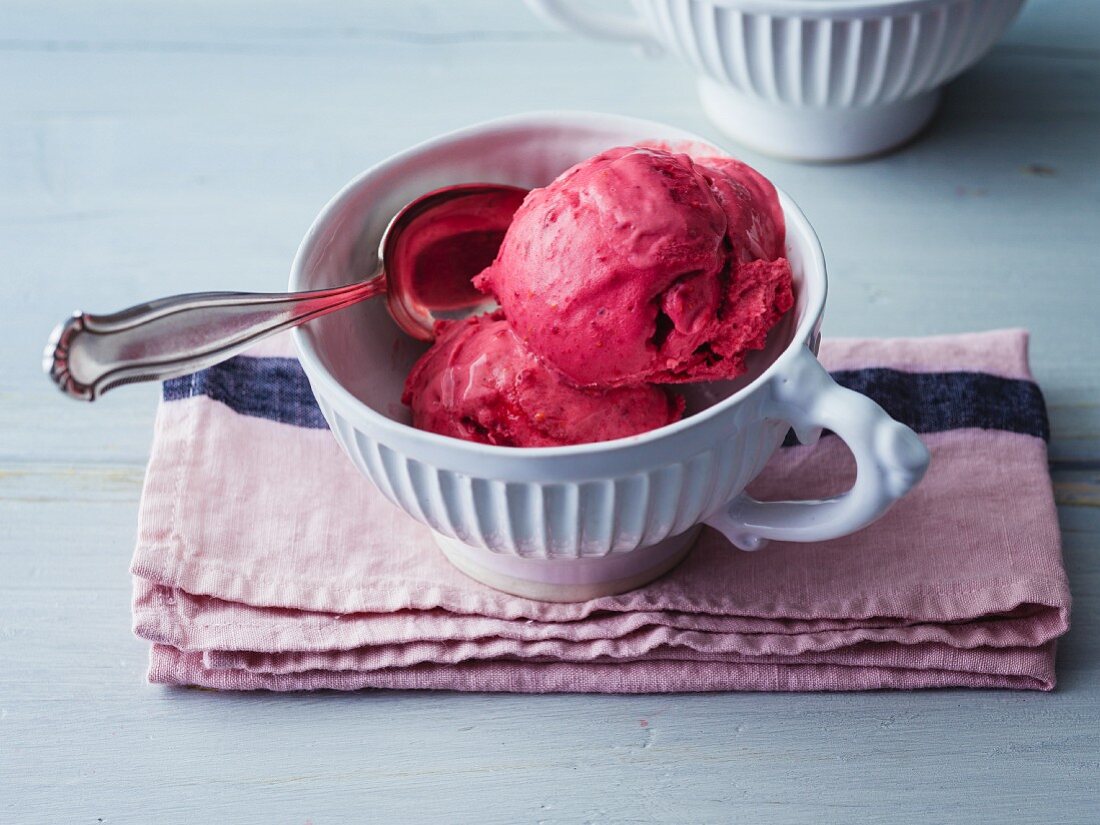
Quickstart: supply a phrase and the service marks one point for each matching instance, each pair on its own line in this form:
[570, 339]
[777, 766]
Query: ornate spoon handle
[90, 354]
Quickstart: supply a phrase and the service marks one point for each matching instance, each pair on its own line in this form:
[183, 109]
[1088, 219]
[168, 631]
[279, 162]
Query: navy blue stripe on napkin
[273, 388]
[934, 402]
[277, 389]
[930, 402]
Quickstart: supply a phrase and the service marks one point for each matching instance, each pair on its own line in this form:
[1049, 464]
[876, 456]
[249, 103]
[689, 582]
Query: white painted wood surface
[150, 148]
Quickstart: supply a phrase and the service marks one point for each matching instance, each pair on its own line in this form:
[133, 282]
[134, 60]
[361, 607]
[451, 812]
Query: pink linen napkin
[265, 561]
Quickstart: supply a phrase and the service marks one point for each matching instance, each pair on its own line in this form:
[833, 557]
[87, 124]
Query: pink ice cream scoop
[643, 266]
[479, 382]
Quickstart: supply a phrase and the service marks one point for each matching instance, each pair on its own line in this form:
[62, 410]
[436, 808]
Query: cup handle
[890, 460]
[595, 24]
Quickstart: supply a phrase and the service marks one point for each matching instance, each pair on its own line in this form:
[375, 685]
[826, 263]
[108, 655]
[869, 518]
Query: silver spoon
[428, 254]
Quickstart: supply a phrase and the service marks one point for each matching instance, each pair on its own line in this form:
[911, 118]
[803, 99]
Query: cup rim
[383, 427]
[830, 8]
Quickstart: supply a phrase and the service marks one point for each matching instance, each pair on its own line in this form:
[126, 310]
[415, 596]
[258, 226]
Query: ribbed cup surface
[864, 58]
[563, 519]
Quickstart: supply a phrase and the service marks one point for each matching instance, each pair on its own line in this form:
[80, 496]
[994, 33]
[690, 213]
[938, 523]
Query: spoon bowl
[434, 246]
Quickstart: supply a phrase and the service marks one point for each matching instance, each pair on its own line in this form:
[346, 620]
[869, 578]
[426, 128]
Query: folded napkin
[265, 561]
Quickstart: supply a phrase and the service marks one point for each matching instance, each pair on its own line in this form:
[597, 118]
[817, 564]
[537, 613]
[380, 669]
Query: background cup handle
[890, 460]
[596, 24]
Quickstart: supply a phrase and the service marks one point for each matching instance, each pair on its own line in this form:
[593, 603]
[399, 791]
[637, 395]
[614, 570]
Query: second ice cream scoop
[478, 382]
[427, 255]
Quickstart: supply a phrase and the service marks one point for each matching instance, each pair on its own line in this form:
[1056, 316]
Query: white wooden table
[152, 148]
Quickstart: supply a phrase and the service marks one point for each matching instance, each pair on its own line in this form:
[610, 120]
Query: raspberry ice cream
[644, 266]
[479, 382]
[635, 268]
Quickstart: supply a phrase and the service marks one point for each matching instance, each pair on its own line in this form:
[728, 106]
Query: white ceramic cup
[572, 523]
[815, 80]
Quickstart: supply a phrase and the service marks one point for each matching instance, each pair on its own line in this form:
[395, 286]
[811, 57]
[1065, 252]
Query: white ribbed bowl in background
[811, 79]
[570, 523]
